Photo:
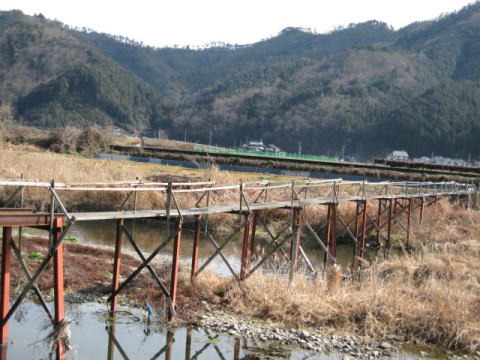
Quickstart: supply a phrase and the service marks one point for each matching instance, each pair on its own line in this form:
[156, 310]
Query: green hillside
[53, 80]
[365, 87]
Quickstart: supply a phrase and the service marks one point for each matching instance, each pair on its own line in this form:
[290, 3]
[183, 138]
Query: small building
[272, 148]
[260, 146]
[401, 155]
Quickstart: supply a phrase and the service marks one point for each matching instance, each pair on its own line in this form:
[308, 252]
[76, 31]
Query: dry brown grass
[431, 296]
[45, 166]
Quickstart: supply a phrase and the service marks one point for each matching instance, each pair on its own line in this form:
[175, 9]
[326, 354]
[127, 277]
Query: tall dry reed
[431, 295]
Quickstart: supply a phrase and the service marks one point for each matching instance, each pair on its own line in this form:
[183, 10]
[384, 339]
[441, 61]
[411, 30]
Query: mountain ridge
[365, 87]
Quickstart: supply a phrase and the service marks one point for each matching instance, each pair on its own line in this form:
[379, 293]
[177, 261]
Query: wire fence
[267, 154]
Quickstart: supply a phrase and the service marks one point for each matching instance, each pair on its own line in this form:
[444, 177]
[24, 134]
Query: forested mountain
[366, 87]
[53, 79]
[179, 71]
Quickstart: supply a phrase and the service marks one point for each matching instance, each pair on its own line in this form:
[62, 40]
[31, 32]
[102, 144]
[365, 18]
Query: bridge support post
[357, 232]
[295, 241]
[388, 245]
[364, 229]
[422, 206]
[58, 288]
[409, 217]
[327, 236]
[253, 233]
[333, 232]
[5, 286]
[196, 241]
[379, 215]
[246, 236]
[175, 263]
[116, 263]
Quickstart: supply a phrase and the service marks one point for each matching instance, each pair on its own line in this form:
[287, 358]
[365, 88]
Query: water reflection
[96, 336]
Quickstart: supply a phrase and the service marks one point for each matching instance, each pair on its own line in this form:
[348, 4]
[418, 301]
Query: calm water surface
[94, 337]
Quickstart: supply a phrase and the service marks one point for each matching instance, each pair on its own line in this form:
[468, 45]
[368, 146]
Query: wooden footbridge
[394, 204]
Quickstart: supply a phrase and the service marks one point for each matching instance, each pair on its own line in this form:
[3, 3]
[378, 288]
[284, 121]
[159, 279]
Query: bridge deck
[235, 208]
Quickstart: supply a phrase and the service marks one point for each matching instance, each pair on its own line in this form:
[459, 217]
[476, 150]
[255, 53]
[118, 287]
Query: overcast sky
[199, 22]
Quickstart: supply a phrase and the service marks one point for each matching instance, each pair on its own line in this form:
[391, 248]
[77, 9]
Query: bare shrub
[64, 140]
[92, 139]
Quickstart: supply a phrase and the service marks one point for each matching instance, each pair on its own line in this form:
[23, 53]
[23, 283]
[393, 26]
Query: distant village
[402, 155]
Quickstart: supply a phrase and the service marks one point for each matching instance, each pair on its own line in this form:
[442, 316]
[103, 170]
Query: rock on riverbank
[350, 346]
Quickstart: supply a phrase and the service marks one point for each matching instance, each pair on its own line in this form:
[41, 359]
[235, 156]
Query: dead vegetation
[430, 296]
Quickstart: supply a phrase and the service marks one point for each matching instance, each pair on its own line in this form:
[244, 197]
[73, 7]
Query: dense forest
[364, 87]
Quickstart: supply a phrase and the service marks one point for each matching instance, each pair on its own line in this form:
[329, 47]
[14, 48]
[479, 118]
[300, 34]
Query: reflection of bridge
[167, 349]
[397, 202]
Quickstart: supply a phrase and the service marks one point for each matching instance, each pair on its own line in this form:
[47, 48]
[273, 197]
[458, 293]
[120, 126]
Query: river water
[91, 331]
[94, 337]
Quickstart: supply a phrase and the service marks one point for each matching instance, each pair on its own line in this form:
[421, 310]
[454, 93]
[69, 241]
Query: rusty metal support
[218, 251]
[409, 217]
[422, 207]
[253, 234]
[327, 236]
[116, 264]
[364, 229]
[357, 229]
[41, 268]
[149, 268]
[334, 230]
[5, 286]
[389, 229]
[22, 218]
[20, 229]
[379, 218]
[58, 287]
[276, 245]
[196, 241]
[17, 253]
[175, 263]
[246, 235]
[58, 274]
[295, 240]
